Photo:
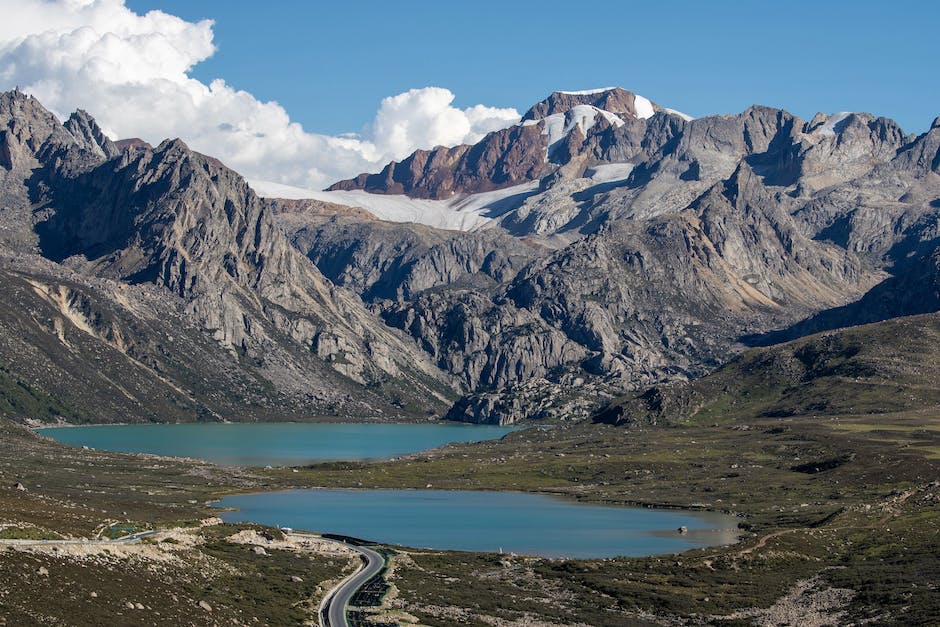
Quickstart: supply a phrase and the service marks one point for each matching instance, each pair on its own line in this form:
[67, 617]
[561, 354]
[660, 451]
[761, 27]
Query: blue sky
[330, 63]
[307, 93]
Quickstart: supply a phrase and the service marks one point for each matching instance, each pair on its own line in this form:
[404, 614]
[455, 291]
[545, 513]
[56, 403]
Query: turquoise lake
[525, 524]
[274, 444]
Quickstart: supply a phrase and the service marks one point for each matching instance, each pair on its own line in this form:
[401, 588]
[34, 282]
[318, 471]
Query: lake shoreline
[275, 444]
[415, 456]
[512, 512]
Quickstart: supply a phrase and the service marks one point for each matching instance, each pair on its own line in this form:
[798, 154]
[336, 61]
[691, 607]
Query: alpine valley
[660, 299]
[607, 244]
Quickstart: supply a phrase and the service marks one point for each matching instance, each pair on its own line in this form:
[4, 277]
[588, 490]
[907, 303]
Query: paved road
[333, 610]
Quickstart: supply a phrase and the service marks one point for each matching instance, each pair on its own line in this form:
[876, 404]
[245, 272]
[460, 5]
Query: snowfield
[475, 211]
[587, 92]
[461, 213]
[644, 108]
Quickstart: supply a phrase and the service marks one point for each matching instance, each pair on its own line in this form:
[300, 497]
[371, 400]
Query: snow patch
[587, 92]
[644, 108]
[684, 116]
[607, 172]
[829, 128]
[269, 189]
[613, 118]
[462, 213]
[558, 125]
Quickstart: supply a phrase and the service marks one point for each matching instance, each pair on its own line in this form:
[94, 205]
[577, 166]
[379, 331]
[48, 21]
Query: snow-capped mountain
[619, 250]
[466, 187]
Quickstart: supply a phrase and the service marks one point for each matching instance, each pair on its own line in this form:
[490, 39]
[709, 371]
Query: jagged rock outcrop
[539, 398]
[82, 126]
[502, 159]
[650, 250]
[176, 223]
[888, 213]
[32, 140]
[487, 344]
[551, 133]
[700, 232]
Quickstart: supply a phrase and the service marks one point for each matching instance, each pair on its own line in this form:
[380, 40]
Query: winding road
[334, 606]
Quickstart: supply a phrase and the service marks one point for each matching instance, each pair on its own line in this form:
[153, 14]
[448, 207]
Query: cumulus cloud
[131, 72]
[425, 118]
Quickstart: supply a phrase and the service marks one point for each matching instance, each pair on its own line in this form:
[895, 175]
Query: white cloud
[425, 118]
[131, 72]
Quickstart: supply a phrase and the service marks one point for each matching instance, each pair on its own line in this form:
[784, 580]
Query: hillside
[882, 369]
[827, 448]
[153, 284]
[652, 249]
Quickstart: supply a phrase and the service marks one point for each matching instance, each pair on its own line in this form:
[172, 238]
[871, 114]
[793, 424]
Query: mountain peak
[21, 109]
[612, 99]
[553, 131]
[85, 129]
[172, 145]
[585, 92]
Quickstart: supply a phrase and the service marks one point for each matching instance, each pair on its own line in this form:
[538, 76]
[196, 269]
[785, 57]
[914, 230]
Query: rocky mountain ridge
[653, 248]
[550, 134]
[718, 227]
[192, 230]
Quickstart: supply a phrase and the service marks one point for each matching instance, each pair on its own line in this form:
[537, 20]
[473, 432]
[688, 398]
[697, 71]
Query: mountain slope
[665, 240]
[647, 248]
[883, 368]
[167, 234]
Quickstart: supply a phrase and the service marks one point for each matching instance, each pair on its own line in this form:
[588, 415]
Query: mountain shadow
[913, 289]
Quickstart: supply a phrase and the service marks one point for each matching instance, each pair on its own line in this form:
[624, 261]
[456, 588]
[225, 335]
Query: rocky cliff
[667, 241]
[651, 250]
[172, 222]
[502, 159]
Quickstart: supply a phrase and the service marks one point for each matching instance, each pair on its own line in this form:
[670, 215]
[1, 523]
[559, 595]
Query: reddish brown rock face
[502, 159]
[131, 144]
[616, 100]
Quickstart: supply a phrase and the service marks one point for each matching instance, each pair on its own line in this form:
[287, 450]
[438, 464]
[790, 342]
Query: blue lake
[526, 524]
[275, 444]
